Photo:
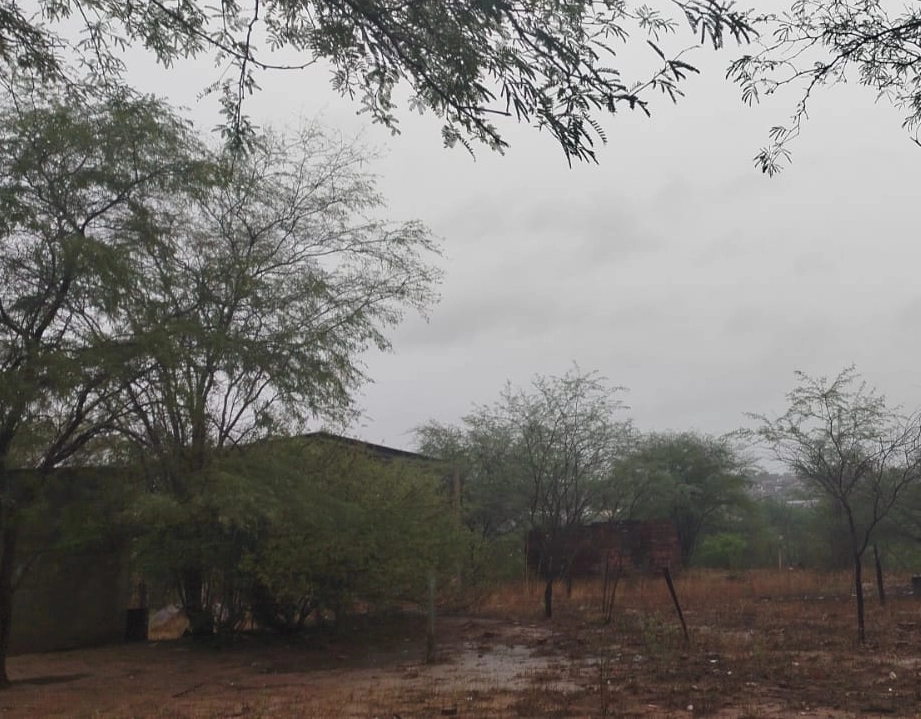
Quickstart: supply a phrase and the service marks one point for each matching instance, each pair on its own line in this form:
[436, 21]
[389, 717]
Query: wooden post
[671, 589]
[527, 566]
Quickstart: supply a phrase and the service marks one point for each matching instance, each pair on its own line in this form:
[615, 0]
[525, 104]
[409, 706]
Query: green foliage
[843, 441]
[275, 279]
[840, 437]
[80, 188]
[722, 551]
[540, 458]
[360, 528]
[790, 535]
[297, 526]
[904, 524]
[547, 62]
[697, 481]
[278, 277]
[82, 183]
[816, 44]
[186, 301]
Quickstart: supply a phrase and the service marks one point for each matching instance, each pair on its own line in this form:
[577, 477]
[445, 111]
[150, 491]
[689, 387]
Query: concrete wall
[77, 590]
[71, 599]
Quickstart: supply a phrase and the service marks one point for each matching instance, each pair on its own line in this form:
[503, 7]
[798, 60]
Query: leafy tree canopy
[83, 187]
[550, 63]
[287, 527]
[183, 298]
[697, 481]
[540, 457]
[815, 44]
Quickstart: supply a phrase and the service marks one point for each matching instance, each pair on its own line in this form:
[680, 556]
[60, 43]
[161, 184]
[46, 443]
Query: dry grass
[763, 644]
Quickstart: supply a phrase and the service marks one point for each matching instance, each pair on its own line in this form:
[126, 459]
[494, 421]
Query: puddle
[503, 666]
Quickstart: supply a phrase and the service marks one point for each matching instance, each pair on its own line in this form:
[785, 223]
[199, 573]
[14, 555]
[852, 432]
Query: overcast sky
[673, 267]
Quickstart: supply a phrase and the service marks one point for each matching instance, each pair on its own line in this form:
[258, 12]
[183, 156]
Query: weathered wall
[72, 599]
[77, 589]
[585, 550]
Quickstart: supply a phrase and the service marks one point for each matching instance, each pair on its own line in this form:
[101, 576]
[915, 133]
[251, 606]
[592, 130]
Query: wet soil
[748, 657]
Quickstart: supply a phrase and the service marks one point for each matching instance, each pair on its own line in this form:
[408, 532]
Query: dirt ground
[755, 650]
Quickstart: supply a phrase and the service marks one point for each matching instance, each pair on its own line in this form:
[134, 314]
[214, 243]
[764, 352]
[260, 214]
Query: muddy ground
[753, 652]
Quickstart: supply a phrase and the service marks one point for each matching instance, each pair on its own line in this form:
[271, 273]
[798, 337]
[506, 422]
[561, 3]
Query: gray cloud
[672, 267]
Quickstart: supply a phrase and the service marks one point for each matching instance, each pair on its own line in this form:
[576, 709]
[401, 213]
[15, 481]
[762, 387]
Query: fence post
[671, 589]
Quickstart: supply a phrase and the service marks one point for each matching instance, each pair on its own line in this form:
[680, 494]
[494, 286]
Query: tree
[816, 44]
[695, 480]
[356, 526]
[549, 63]
[297, 527]
[842, 440]
[541, 459]
[278, 278]
[492, 507]
[80, 190]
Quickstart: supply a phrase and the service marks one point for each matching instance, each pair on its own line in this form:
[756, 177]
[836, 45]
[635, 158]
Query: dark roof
[378, 449]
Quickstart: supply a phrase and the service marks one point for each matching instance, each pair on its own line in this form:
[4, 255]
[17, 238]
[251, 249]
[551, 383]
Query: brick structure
[583, 551]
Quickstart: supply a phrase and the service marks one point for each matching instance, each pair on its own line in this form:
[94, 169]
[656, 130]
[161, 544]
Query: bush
[721, 551]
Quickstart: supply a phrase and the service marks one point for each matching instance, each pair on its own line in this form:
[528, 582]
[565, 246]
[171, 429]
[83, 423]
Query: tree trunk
[548, 599]
[10, 535]
[858, 585]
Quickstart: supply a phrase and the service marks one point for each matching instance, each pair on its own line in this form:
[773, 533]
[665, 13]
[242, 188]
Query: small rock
[164, 615]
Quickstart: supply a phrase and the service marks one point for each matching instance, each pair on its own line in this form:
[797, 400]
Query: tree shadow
[53, 679]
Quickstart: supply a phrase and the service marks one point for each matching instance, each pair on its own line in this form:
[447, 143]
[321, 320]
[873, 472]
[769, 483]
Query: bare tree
[840, 438]
[542, 459]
